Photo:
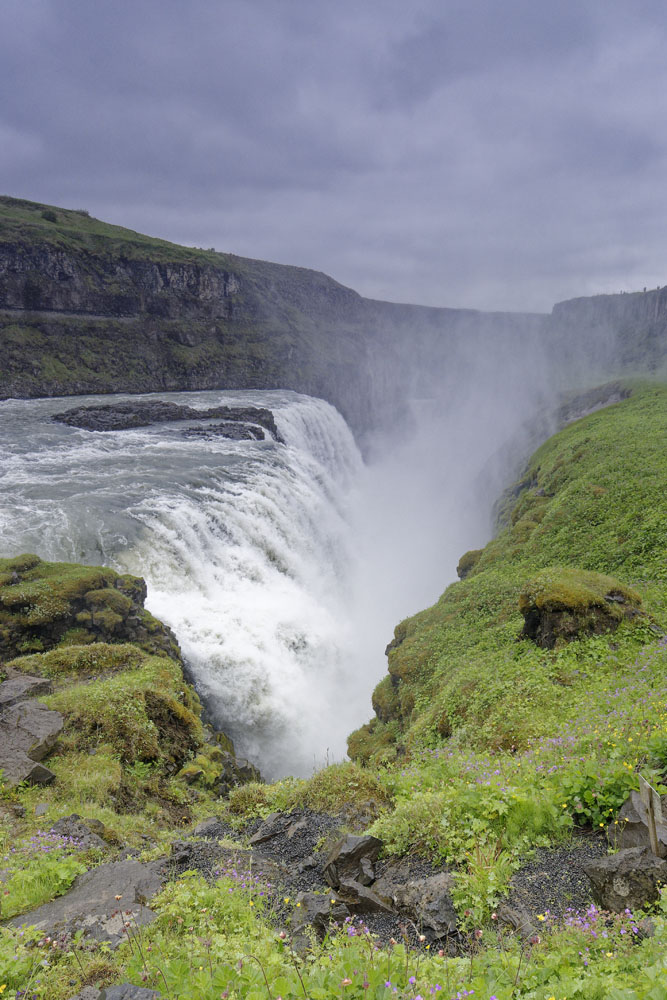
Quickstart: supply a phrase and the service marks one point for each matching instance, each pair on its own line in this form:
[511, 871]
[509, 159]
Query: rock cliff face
[89, 307]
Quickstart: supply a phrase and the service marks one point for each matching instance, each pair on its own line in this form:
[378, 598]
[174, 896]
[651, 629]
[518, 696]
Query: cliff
[86, 307]
[89, 307]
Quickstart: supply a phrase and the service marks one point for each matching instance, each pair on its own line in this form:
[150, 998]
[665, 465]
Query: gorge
[296, 472]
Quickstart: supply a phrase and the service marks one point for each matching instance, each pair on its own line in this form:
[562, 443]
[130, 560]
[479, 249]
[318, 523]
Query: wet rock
[631, 826]
[80, 830]
[143, 413]
[344, 861]
[227, 429]
[17, 687]
[627, 880]
[102, 903]
[31, 727]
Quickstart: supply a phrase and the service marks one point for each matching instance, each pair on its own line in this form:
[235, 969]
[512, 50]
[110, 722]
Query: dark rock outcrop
[102, 903]
[630, 879]
[561, 604]
[85, 833]
[143, 413]
[31, 727]
[351, 859]
[630, 828]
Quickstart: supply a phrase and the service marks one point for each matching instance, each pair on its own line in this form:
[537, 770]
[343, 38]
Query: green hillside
[516, 715]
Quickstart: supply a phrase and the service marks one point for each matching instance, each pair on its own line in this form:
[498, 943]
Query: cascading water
[282, 568]
[245, 547]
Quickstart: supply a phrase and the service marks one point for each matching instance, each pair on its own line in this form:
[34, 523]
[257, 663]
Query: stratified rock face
[87, 307]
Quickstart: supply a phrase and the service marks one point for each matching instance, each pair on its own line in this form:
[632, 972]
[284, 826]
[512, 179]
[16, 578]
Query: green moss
[564, 588]
[136, 712]
[467, 563]
[592, 502]
[81, 661]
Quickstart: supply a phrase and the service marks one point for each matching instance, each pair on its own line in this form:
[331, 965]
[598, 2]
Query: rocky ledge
[239, 422]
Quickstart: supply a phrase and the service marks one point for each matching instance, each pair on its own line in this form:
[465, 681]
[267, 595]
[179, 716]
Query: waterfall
[245, 547]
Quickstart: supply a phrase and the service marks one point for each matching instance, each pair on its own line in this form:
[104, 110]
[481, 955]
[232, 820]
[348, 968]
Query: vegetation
[485, 746]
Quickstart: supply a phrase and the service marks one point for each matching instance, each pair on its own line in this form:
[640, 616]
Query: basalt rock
[561, 604]
[102, 903]
[142, 413]
[86, 833]
[31, 727]
[17, 687]
[630, 829]
[630, 879]
[351, 859]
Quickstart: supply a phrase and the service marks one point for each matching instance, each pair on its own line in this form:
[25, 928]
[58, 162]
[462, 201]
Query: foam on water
[245, 547]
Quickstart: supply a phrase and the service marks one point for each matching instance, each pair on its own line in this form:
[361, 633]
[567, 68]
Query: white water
[245, 546]
[282, 569]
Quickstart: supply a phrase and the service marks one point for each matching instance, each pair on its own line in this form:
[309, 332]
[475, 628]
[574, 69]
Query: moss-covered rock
[46, 604]
[467, 562]
[561, 604]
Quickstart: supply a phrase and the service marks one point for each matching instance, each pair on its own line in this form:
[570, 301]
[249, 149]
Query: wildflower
[412, 980]
[422, 938]
[346, 982]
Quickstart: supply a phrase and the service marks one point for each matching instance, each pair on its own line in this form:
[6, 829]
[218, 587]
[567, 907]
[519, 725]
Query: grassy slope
[499, 746]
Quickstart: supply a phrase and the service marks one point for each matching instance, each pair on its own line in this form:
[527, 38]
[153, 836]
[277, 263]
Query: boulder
[17, 687]
[103, 903]
[360, 898]
[631, 826]
[31, 727]
[274, 824]
[426, 901]
[80, 831]
[627, 880]
[123, 991]
[562, 603]
[17, 767]
[352, 859]
[317, 911]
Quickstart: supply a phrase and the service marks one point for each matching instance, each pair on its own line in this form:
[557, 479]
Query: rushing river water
[245, 547]
[282, 568]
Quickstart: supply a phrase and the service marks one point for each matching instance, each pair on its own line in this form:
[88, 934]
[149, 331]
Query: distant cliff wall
[89, 307]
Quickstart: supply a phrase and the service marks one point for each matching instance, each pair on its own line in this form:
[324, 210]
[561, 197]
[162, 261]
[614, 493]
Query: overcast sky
[497, 154]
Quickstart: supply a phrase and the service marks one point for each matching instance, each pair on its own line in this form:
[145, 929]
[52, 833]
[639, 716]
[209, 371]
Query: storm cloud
[461, 153]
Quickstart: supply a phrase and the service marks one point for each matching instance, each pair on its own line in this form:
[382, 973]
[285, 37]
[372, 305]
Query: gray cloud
[469, 153]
